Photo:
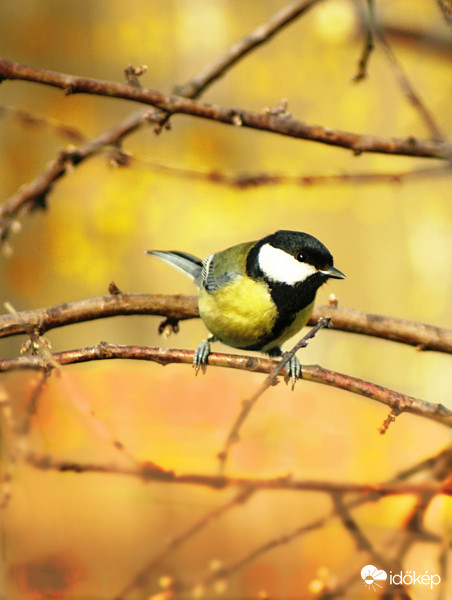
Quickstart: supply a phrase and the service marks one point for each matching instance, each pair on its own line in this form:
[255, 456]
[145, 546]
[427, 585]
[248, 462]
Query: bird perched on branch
[256, 295]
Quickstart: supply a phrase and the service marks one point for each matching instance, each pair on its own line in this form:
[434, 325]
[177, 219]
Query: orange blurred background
[84, 535]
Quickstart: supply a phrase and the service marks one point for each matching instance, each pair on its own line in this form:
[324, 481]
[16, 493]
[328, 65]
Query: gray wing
[213, 277]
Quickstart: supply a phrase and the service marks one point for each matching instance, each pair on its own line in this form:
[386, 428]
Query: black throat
[289, 299]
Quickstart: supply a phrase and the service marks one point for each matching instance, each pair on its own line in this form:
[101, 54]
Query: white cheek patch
[280, 266]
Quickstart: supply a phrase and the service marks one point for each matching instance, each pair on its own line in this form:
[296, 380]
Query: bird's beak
[332, 272]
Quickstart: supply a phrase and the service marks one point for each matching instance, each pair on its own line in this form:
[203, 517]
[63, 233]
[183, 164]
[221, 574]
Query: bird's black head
[292, 258]
[293, 265]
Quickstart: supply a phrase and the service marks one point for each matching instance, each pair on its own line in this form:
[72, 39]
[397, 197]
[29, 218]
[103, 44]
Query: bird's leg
[294, 370]
[202, 353]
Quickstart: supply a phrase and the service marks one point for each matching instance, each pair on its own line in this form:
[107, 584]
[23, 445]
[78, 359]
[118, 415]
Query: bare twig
[221, 482]
[373, 31]
[241, 181]
[31, 119]
[226, 571]
[408, 89]
[240, 49]
[245, 181]
[394, 413]
[34, 194]
[237, 117]
[369, 24]
[446, 8]
[164, 356]
[362, 494]
[179, 307]
[143, 576]
[342, 510]
[247, 405]
[363, 543]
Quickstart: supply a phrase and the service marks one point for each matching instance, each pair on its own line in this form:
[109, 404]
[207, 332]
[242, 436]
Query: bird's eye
[300, 257]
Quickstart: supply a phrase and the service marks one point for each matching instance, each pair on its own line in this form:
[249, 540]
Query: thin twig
[246, 181]
[34, 194]
[408, 88]
[34, 120]
[240, 181]
[426, 41]
[240, 49]
[144, 574]
[373, 31]
[340, 510]
[233, 435]
[369, 23]
[220, 482]
[366, 493]
[226, 571]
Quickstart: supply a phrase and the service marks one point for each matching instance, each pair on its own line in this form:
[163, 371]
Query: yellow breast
[241, 314]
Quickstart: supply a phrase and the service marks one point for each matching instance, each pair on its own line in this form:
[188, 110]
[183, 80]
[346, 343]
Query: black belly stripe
[289, 299]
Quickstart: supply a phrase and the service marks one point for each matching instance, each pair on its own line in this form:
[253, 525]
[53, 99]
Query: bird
[256, 295]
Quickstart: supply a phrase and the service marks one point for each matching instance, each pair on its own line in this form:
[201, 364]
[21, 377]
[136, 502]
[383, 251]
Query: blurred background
[86, 535]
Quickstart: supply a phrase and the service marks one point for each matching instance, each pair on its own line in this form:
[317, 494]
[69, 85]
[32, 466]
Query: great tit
[257, 295]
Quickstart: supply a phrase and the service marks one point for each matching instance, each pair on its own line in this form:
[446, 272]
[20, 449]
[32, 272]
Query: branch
[179, 307]
[165, 356]
[34, 120]
[33, 195]
[220, 482]
[144, 574]
[247, 405]
[368, 19]
[244, 181]
[44, 319]
[409, 91]
[420, 335]
[263, 121]
[240, 49]
[247, 486]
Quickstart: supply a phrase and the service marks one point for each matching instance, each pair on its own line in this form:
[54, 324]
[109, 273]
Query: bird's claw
[201, 355]
[293, 370]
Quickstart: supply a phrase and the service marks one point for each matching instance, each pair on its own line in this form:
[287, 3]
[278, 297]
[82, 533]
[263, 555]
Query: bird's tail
[187, 263]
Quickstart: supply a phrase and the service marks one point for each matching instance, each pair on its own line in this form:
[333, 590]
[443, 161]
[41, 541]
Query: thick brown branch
[424, 337]
[164, 356]
[263, 121]
[421, 335]
[177, 307]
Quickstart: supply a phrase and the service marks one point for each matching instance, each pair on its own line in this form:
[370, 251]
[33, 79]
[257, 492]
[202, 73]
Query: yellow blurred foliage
[91, 533]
